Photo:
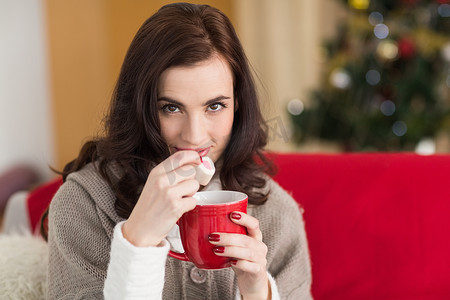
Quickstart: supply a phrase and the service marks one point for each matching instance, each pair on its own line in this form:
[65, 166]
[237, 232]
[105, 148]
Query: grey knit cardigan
[81, 223]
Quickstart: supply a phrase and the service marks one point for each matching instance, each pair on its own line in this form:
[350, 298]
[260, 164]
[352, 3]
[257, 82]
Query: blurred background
[333, 75]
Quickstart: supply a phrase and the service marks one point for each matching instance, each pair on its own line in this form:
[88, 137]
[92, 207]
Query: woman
[185, 91]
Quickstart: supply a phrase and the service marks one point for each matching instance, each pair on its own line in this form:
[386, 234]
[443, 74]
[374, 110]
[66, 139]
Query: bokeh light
[295, 107]
[375, 18]
[359, 4]
[445, 52]
[340, 78]
[426, 146]
[373, 77]
[387, 108]
[444, 10]
[381, 31]
[387, 50]
[399, 128]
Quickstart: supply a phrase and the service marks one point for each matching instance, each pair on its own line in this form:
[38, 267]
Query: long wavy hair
[179, 34]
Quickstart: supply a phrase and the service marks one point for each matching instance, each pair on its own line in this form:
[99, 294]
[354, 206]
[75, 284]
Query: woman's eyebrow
[219, 98]
[170, 100]
[209, 102]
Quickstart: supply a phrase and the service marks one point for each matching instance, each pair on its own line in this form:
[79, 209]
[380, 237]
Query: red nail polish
[219, 249]
[236, 216]
[214, 237]
[233, 262]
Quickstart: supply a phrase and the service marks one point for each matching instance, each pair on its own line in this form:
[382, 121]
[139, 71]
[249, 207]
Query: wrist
[266, 293]
[137, 240]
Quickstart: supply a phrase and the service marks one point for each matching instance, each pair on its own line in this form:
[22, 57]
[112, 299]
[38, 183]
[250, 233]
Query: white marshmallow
[203, 174]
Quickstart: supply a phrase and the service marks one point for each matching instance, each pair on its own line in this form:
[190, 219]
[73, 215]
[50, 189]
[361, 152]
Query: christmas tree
[386, 85]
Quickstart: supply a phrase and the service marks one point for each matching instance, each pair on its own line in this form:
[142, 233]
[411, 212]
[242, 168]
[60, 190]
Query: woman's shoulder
[279, 201]
[86, 188]
[280, 220]
[87, 176]
[279, 197]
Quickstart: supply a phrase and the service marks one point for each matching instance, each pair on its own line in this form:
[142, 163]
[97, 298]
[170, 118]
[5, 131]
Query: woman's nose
[195, 130]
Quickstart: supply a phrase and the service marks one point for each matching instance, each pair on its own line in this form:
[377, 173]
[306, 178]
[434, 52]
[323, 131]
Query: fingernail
[219, 249]
[236, 216]
[233, 262]
[214, 237]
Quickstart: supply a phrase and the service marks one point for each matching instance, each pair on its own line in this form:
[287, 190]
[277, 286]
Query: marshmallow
[205, 171]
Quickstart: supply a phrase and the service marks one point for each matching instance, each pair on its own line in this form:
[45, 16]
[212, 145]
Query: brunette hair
[178, 34]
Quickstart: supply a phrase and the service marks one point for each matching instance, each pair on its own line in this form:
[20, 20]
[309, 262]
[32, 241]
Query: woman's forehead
[205, 80]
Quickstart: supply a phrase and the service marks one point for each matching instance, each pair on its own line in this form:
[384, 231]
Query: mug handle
[180, 256]
[177, 255]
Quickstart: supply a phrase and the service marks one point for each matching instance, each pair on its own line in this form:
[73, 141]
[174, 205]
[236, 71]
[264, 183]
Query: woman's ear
[236, 104]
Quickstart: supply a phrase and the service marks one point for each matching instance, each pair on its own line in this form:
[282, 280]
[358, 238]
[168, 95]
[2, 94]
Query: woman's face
[196, 107]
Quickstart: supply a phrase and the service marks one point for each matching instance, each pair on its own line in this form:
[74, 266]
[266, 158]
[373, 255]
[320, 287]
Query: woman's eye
[216, 106]
[170, 108]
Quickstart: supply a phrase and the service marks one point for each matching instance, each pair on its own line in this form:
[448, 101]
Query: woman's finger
[239, 246]
[176, 199]
[251, 223]
[184, 192]
[162, 180]
[232, 239]
[256, 252]
[180, 174]
[246, 266]
[253, 258]
[185, 188]
[177, 160]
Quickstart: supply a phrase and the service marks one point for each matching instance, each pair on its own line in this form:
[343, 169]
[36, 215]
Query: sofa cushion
[377, 224]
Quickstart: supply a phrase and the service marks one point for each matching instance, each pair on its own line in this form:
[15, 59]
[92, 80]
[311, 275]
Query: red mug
[212, 214]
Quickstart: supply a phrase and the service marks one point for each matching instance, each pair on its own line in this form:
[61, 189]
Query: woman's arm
[139, 247]
[274, 295]
[135, 272]
[78, 245]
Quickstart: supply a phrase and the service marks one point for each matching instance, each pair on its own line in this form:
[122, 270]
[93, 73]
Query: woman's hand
[166, 196]
[249, 256]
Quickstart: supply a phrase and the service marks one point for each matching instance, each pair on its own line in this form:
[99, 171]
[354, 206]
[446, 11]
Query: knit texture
[81, 224]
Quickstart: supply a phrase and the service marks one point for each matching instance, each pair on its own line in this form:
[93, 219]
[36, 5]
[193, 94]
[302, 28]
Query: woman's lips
[201, 152]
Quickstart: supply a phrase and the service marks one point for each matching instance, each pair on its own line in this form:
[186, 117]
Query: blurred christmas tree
[387, 82]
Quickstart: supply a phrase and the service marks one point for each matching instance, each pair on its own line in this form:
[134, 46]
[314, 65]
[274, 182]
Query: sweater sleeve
[78, 246]
[134, 272]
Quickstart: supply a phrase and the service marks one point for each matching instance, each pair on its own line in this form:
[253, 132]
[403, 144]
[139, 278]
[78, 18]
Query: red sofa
[378, 225]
